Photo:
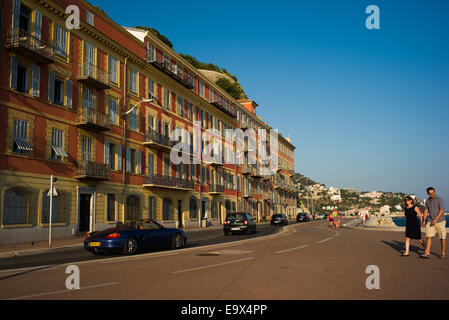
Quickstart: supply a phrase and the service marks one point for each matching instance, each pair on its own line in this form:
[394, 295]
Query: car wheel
[130, 247]
[226, 233]
[177, 241]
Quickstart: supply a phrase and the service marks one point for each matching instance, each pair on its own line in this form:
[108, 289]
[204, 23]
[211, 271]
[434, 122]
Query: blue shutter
[51, 86]
[37, 32]
[68, 93]
[35, 80]
[14, 72]
[16, 14]
[128, 159]
[119, 157]
[106, 153]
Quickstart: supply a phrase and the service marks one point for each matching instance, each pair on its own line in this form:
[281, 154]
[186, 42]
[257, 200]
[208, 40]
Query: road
[302, 261]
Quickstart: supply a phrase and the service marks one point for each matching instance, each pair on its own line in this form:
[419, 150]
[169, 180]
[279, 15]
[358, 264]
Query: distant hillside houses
[372, 195]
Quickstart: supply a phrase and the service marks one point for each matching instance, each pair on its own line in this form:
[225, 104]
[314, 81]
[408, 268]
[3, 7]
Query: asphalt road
[301, 261]
[63, 256]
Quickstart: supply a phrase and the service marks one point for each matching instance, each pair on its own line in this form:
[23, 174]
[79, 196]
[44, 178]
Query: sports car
[134, 236]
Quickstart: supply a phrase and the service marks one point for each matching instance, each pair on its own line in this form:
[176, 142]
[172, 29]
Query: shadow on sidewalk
[400, 247]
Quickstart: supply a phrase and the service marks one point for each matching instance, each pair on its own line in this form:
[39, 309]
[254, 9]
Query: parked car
[133, 236]
[279, 219]
[239, 222]
[321, 216]
[302, 217]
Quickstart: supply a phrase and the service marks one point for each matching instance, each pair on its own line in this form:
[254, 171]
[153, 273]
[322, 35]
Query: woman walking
[412, 226]
[330, 218]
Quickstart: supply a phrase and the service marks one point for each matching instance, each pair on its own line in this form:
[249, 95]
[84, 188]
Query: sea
[400, 221]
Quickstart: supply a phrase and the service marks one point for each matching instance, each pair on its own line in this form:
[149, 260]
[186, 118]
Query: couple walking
[435, 210]
[334, 219]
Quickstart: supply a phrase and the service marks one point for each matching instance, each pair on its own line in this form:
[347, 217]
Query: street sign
[55, 194]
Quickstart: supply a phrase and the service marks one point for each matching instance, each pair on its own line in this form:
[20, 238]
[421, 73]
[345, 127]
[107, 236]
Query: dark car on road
[279, 220]
[133, 236]
[241, 222]
[302, 217]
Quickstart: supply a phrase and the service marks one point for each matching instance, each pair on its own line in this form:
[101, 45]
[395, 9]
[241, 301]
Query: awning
[60, 151]
[23, 145]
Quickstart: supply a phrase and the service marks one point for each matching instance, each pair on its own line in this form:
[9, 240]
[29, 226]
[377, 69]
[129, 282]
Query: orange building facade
[96, 107]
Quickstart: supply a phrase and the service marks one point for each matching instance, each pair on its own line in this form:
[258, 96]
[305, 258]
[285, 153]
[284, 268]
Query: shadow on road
[400, 247]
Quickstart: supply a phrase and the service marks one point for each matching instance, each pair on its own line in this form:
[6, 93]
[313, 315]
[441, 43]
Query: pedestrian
[330, 218]
[335, 216]
[412, 226]
[339, 219]
[437, 224]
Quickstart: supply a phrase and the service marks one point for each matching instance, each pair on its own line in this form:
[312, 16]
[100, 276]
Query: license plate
[235, 228]
[94, 244]
[276, 221]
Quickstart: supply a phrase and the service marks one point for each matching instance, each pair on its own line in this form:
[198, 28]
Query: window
[190, 112]
[167, 167]
[150, 164]
[20, 137]
[60, 91]
[132, 208]
[133, 120]
[21, 78]
[201, 88]
[60, 41]
[25, 18]
[152, 208]
[133, 81]
[113, 70]
[167, 209]
[111, 207]
[112, 155]
[57, 150]
[112, 110]
[88, 99]
[86, 149]
[90, 18]
[166, 98]
[89, 59]
[15, 207]
[150, 52]
[203, 175]
[193, 208]
[57, 210]
[180, 106]
[133, 161]
[150, 88]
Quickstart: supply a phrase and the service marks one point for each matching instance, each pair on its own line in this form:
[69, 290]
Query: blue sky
[365, 108]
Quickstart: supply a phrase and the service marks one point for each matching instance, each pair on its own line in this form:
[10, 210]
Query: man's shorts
[439, 227]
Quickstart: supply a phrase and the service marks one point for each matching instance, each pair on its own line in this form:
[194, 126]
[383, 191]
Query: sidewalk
[36, 247]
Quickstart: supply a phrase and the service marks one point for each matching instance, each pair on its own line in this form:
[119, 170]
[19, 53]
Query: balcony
[89, 170]
[168, 182]
[246, 194]
[216, 189]
[158, 141]
[291, 172]
[93, 76]
[267, 196]
[246, 169]
[172, 71]
[22, 43]
[93, 120]
[230, 111]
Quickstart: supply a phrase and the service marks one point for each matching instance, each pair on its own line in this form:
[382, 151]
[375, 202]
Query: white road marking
[324, 240]
[213, 265]
[291, 249]
[62, 291]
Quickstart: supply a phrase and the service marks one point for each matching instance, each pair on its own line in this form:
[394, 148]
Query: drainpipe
[124, 139]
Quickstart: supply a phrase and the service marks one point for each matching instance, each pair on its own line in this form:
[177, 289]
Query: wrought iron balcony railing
[91, 170]
[169, 182]
[28, 45]
[160, 141]
[172, 70]
[216, 188]
[93, 75]
[94, 120]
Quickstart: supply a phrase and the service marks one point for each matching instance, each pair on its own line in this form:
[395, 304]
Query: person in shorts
[437, 224]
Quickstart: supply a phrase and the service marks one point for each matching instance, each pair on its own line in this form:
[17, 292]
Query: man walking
[437, 224]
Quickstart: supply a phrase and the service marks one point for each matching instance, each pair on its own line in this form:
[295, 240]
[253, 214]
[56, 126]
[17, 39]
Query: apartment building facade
[97, 107]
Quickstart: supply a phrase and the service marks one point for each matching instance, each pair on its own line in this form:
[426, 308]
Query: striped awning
[23, 145]
[60, 151]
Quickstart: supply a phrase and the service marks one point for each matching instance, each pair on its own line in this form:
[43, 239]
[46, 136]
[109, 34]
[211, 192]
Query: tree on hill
[161, 37]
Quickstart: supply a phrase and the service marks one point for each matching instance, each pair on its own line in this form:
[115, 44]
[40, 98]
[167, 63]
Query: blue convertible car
[134, 235]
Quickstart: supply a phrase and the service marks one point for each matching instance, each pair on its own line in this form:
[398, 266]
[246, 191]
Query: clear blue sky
[365, 108]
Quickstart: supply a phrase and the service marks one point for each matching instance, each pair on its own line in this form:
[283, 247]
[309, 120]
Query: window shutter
[37, 33]
[119, 157]
[35, 82]
[106, 153]
[139, 162]
[68, 93]
[16, 14]
[128, 159]
[14, 72]
[51, 86]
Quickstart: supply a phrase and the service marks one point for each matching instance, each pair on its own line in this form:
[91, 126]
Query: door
[180, 214]
[84, 221]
